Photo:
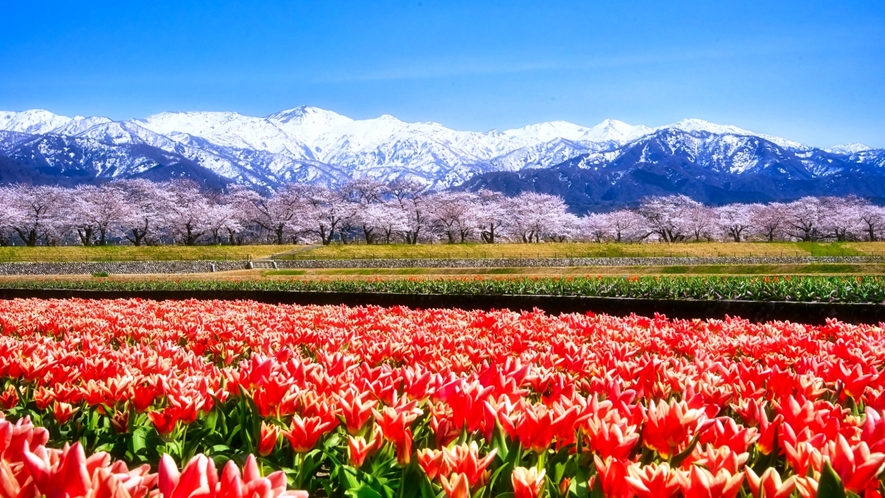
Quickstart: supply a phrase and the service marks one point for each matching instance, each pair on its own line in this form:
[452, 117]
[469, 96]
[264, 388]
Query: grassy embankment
[590, 250]
[441, 251]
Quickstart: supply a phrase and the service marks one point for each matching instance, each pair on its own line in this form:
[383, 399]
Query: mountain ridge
[313, 145]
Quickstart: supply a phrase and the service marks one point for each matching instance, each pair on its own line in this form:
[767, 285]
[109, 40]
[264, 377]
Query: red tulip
[722, 458]
[63, 412]
[855, 465]
[701, 483]
[356, 410]
[464, 459]
[432, 462]
[305, 432]
[615, 438]
[455, 486]
[652, 481]
[120, 421]
[164, 420]
[770, 485]
[613, 476]
[198, 478]
[669, 427]
[9, 398]
[527, 483]
[58, 476]
[268, 438]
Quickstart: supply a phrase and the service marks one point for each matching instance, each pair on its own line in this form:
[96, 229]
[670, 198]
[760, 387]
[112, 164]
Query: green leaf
[830, 484]
[348, 479]
[364, 491]
[597, 492]
[138, 440]
[677, 460]
[499, 441]
[504, 470]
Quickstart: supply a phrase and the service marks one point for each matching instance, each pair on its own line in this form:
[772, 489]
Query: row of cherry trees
[140, 212]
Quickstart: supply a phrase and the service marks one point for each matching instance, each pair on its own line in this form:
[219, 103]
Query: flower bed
[859, 289]
[400, 402]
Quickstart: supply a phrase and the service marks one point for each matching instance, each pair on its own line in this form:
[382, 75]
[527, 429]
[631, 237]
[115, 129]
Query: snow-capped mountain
[699, 125]
[713, 168]
[308, 144]
[848, 148]
[35, 121]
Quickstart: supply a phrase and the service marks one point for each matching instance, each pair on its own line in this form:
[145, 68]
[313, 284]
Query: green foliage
[860, 289]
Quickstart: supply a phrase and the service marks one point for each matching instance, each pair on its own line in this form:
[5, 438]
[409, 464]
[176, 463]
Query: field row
[397, 402]
[828, 289]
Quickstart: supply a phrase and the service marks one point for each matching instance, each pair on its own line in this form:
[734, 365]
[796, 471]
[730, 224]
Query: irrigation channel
[757, 311]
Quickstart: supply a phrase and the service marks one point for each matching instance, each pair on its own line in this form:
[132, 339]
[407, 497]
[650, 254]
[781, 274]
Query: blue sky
[807, 70]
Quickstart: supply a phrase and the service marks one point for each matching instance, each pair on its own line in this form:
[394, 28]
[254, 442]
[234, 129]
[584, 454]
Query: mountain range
[610, 164]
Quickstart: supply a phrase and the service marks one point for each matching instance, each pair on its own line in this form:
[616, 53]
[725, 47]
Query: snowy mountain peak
[612, 130]
[307, 123]
[228, 129]
[34, 121]
[848, 149]
[550, 130]
[699, 125]
[80, 124]
[307, 114]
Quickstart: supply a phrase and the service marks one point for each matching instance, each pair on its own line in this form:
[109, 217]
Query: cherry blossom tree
[804, 218]
[148, 203]
[533, 217]
[872, 221]
[409, 196]
[623, 225]
[627, 225]
[387, 217]
[735, 220]
[96, 213]
[35, 213]
[454, 214]
[224, 223]
[596, 227]
[769, 220]
[8, 215]
[700, 221]
[326, 213]
[491, 214]
[365, 193]
[189, 211]
[841, 217]
[666, 216]
[278, 214]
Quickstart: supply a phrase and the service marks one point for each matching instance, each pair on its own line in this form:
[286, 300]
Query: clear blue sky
[807, 70]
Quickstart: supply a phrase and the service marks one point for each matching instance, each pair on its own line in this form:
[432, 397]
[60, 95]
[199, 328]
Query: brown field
[144, 253]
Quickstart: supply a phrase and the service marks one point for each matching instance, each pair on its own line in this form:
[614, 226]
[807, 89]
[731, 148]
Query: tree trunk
[85, 236]
[29, 237]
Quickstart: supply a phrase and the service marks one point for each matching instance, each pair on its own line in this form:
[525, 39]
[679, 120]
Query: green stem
[402, 483]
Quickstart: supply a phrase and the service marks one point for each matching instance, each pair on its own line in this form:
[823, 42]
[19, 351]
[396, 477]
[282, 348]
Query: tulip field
[138, 398]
